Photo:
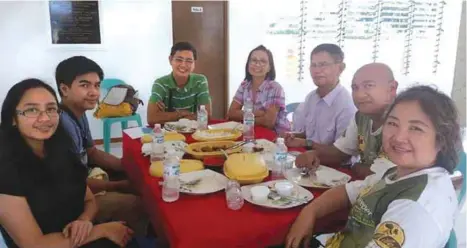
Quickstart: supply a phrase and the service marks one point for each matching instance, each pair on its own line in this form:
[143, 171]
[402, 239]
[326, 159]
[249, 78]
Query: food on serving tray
[186, 165]
[214, 148]
[210, 148]
[258, 149]
[246, 168]
[216, 134]
[168, 136]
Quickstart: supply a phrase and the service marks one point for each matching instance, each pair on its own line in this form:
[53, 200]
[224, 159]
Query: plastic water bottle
[248, 105]
[157, 145]
[280, 160]
[202, 118]
[171, 186]
[248, 125]
[233, 195]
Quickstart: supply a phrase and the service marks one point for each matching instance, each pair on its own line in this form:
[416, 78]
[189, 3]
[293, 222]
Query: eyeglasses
[260, 62]
[322, 64]
[35, 113]
[180, 60]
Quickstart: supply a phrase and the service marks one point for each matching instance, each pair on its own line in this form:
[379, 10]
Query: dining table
[205, 221]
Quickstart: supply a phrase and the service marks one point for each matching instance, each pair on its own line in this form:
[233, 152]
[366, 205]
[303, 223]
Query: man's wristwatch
[309, 144]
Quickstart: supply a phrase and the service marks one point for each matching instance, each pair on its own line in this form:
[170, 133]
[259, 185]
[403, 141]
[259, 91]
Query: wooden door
[204, 24]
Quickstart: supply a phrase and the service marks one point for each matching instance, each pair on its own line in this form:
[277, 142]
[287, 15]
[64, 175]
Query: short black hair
[271, 75]
[183, 46]
[442, 112]
[70, 68]
[334, 50]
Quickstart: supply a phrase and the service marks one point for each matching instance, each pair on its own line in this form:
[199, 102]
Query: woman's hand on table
[78, 231]
[308, 159]
[301, 230]
[259, 113]
[117, 232]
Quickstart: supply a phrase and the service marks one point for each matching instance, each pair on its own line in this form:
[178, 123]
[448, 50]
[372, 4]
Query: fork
[235, 145]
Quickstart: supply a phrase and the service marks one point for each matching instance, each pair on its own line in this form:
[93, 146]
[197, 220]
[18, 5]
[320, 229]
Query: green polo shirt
[193, 94]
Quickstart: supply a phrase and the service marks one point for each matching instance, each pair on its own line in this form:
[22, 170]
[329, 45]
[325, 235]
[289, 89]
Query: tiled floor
[460, 225]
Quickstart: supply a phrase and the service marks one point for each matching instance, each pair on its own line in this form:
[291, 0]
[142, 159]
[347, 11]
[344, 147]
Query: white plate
[300, 193]
[178, 146]
[326, 177]
[211, 182]
[267, 145]
[227, 125]
[189, 127]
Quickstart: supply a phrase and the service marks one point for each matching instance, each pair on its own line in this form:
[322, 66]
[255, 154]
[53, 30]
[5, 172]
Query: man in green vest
[373, 90]
[179, 94]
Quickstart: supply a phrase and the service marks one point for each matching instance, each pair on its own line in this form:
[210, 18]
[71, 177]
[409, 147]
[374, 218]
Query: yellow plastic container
[194, 149]
[169, 136]
[217, 134]
[246, 168]
[174, 136]
[186, 165]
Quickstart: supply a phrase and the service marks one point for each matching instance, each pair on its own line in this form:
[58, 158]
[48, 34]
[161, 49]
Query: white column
[458, 89]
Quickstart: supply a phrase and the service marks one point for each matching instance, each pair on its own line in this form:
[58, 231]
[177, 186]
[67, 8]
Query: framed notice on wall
[75, 22]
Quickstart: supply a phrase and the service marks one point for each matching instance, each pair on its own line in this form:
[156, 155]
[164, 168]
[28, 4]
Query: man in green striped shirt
[179, 94]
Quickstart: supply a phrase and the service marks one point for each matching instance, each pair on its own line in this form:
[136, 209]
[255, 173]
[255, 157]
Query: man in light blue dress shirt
[326, 111]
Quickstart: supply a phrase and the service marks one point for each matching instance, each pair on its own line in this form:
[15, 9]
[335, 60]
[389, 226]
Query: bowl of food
[284, 188]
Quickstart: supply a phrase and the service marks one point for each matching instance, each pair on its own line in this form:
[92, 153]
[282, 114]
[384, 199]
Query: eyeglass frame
[259, 62]
[182, 60]
[22, 112]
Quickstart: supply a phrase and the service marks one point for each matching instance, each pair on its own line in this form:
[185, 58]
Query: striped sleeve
[158, 92]
[239, 94]
[203, 96]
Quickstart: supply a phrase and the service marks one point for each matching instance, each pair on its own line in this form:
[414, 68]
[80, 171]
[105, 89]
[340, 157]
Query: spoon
[304, 172]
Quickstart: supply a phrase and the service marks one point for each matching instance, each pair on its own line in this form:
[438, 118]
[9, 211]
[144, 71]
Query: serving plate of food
[200, 150]
[217, 134]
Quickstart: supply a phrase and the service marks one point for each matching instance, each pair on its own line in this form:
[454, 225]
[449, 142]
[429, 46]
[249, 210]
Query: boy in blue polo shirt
[78, 81]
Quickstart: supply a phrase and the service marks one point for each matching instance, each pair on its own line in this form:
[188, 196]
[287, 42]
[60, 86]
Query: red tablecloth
[205, 221]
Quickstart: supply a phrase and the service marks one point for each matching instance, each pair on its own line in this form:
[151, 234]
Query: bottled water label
[202, 118]
[249, 122]
[159, 139]
[171, 170]
[280, 157]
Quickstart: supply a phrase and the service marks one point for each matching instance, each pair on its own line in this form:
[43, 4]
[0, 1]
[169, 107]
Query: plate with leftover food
[181, 126]
[323, 177]
[279, 194]
[202, 182]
